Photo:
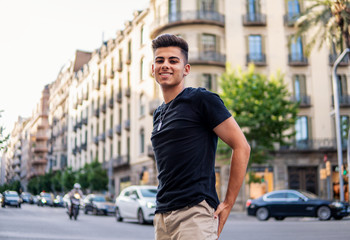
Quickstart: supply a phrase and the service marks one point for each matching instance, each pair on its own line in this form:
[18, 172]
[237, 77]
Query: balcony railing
[119, 97]
[344, 101]
[110, 133]
[187, 17]
[83, 146]
[254, 19]
[314, 145]
[97, 112]
[127, 125]
[121, 161]
[102, 137]
[297, 60]
[208, 58]
[111, 103]
[303, 101]
[38, 161]
[104, 108]
[290, 19]
[258, 59]
[153, 105]
[85, 121]
[118, 129]
[344, 62]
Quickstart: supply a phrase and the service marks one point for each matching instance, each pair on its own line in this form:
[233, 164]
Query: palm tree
[327, 21]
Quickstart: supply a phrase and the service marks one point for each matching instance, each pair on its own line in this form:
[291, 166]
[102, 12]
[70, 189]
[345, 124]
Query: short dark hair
[170, 40]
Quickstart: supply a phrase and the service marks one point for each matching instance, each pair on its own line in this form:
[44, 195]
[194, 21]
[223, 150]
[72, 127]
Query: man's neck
[170, 93]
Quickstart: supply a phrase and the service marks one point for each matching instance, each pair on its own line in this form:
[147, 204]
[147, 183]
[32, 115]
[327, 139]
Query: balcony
[110, 133]
[297, 60]
[104, 80]
[119, 97]
[343, 63]
[118, 129]
[317, 145]
[104, 108]
[102, 137]
[344, 101]
[208, 58]
[303, 101]
[97, 112]
[187, 18]
[39, 161]
[85, 121]
[127, 125]
[41, 149]
[96, 140]
[128, 92]
[121, 161]
[150, 151]
[153, 105]
[41, 136]
[290, 19]
[254, 19]
[111, 103]
[259, 59]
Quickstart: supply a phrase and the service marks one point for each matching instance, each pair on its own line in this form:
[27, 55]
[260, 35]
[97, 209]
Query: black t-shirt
[185, 147]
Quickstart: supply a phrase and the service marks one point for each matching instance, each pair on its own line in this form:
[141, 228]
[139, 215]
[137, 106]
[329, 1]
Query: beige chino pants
[188, 223]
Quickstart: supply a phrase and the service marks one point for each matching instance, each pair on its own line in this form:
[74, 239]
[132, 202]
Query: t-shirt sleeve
[212, 108]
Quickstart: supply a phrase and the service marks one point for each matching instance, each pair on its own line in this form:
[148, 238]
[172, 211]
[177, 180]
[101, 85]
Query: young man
[184, 138]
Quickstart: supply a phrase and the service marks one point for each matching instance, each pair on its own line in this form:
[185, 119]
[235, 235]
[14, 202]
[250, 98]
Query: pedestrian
[184, 138]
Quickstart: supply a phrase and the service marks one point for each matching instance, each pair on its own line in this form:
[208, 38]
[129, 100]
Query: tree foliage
[3, 139]
[327, 21]
[262, 108]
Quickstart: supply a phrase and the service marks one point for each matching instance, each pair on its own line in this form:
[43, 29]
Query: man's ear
[187, 70]
[152, 69]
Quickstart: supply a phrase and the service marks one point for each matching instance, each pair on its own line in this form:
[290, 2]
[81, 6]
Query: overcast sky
[37, 37]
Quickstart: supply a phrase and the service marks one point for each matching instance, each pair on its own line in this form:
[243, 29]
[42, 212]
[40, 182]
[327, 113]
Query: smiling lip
[165, 74]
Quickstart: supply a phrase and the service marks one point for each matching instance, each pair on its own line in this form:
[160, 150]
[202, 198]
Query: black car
[291, 203]
[10, 198]
[98, 204]
[27, 197]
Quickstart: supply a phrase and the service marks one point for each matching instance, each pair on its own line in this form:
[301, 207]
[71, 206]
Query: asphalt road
[46, 223]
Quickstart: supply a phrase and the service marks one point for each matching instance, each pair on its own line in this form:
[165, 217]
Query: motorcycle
[73, 212]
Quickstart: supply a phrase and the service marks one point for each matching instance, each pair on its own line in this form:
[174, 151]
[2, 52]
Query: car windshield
[309, 195]
[46, 195]
[11, 195]
[149, 192]
[99, 199]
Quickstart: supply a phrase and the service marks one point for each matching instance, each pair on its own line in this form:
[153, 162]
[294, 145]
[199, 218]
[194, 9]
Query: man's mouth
[165, 74]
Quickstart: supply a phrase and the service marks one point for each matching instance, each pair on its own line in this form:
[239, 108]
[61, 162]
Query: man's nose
[165, 64]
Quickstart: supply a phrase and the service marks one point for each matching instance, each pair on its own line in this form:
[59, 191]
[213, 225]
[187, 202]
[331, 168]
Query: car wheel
[118, 217]
[262, 214]
[324, 213]
[94, 211]
[338, 218]
[140, 217]
[86, 211]
[280, 218]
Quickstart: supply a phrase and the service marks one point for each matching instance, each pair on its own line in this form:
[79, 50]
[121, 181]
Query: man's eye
[173, 61]
[159, 61]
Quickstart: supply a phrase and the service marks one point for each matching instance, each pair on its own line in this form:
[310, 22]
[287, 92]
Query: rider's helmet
[76, 186]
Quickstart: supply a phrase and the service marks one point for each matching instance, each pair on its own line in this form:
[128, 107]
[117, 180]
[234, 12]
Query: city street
[41, 223]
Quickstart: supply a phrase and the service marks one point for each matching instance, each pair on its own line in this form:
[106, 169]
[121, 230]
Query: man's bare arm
[229, 132]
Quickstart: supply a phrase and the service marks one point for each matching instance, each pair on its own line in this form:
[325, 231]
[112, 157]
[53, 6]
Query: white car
[136, 202]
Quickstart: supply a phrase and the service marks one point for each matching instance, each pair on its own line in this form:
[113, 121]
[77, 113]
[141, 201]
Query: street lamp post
[337, 119]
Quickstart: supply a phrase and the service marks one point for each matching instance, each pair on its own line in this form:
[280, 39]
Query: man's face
[169, 67]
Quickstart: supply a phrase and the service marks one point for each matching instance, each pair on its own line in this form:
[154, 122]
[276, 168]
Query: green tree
[33, 185]
[3, 139]
[261, 107]
[97, 177]
[57, 181]
[68, 179]
[327, 21]
[83, 176]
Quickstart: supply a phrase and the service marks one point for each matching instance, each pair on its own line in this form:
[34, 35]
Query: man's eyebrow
[161, 58]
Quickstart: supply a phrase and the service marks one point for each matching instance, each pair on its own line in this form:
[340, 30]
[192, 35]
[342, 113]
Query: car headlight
[150, 205]
[43, 200]
[337, 204]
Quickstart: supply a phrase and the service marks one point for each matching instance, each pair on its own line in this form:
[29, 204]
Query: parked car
[10, 198]
[97, 204]
[27, 197]
[291, 203]
[58, 201]
[45, 199]
[136, 202]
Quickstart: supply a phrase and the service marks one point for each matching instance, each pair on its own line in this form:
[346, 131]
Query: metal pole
[337, 120]
[348, 158]
[110, 176]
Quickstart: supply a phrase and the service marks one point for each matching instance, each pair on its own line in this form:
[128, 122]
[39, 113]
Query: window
[129, 51]
[208, 81]
[174, 8]
[207, 5]
[143, 70]
[111, 151]
[142, 141]
[255, 48]
[208, 43]
[302, 132]
[142, 105]
[293, 9]
[143, 35]
[296, 50]
[276, 196]
[299, 88]
[119, 148]
[342, 86]
[253, 7]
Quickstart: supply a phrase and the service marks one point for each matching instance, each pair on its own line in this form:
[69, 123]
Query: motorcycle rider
[76, 190]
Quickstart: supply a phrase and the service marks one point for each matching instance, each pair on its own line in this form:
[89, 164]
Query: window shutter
[302, 85]
[309, 127]
[217, 40]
